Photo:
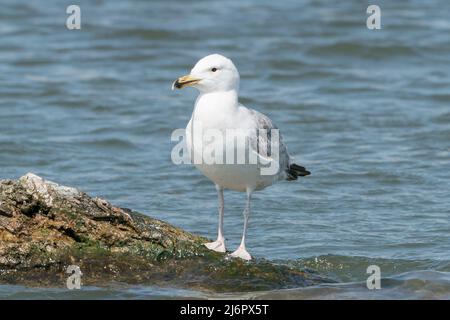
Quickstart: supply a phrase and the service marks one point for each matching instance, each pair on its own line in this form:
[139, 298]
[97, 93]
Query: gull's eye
[214, 69]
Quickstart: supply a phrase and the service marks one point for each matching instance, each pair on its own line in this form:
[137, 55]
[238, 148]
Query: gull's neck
[218, 101]
[221, 98]
[214, 108]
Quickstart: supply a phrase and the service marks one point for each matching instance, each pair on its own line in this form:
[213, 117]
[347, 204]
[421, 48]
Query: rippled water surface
[367, 112]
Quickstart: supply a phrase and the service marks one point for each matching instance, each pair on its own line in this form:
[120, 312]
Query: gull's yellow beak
[184, 81]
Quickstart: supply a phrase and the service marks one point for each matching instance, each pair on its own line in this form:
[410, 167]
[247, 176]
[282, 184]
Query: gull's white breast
[235, 176]
[220, 115]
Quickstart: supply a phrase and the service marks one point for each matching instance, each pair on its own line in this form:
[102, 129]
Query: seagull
[217, 108]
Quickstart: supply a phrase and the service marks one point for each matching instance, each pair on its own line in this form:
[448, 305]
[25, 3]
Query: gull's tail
[296, 171]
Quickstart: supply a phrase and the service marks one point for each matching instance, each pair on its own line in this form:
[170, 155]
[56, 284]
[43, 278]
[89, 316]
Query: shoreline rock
[45, 227]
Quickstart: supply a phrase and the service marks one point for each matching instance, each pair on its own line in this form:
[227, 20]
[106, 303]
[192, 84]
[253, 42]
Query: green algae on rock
[45, 227]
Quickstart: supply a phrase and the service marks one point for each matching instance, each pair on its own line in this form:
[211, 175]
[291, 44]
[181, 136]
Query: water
[366, 111]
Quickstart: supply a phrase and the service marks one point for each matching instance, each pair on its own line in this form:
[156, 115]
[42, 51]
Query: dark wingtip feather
[296, 171]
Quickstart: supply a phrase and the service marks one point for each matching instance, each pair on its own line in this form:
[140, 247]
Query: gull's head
[213, 73]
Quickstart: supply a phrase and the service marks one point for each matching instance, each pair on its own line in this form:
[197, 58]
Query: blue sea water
[366, 111]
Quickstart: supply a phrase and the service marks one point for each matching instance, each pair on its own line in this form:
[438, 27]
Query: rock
[45, 227]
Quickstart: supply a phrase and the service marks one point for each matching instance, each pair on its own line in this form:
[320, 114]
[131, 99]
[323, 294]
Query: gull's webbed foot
[242, 253]
[218, 245]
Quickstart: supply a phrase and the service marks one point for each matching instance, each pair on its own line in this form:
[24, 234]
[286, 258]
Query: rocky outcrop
[45, 227]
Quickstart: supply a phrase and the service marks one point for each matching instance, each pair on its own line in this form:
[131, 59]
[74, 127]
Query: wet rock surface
[45, 227]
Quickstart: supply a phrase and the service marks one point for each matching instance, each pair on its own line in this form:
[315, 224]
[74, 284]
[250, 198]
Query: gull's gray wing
[261, 141]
